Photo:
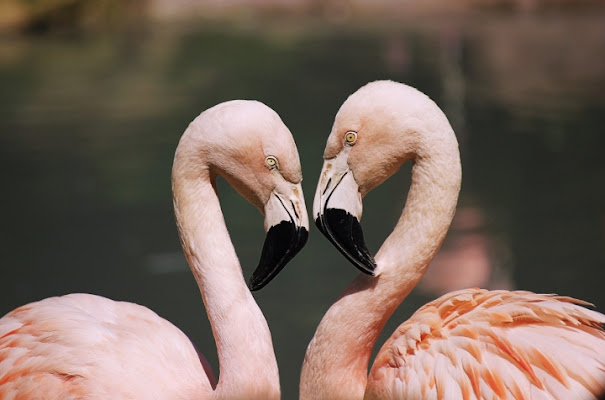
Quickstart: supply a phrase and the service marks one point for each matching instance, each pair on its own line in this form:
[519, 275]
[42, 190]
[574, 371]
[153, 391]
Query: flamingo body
[469, 344]
[479, 344]
[85, 346]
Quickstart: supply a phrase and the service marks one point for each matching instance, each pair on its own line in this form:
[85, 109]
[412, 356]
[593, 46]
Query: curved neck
[336, 362]
[248, 368]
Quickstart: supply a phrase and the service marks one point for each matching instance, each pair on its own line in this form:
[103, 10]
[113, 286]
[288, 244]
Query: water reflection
[469, 257]
[89, 124]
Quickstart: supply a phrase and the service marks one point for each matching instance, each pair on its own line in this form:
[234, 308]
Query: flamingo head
[247, 143]
[375, 131]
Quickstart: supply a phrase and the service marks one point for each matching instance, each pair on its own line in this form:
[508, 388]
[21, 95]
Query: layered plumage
[479, 344]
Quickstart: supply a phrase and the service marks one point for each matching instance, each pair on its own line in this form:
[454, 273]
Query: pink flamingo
[469, 344]
[84, 346]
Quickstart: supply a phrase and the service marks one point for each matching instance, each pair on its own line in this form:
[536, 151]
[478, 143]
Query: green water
[89, 123]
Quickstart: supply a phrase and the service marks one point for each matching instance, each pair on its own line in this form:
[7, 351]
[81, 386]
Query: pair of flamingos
[470, 344]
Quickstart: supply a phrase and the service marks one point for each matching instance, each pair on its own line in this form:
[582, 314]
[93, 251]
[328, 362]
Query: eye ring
[350, 138]
[271, 162]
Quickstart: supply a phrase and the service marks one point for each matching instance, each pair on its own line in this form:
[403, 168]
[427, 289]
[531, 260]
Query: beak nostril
[294, 208]
[327, 186]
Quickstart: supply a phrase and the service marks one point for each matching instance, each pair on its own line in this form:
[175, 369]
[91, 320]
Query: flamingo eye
[271, 162]
[350, 138]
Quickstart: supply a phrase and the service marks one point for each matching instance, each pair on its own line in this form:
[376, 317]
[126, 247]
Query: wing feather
[479, 344]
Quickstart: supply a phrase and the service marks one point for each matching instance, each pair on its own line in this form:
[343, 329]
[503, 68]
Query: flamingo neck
[248, 368]
[336, 362]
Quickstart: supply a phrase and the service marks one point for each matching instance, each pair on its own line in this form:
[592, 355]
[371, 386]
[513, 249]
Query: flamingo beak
[337, 211]
[287, 227]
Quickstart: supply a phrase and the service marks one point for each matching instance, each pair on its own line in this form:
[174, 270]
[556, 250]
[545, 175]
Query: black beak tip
[319, 223]
[345, 233]
[256, 284]
[282, 243]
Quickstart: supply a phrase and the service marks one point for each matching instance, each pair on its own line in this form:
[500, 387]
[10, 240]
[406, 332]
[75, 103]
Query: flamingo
[84, 346]
[468, 344]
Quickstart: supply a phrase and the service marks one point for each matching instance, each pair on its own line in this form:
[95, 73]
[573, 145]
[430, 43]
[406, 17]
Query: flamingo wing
[85, 346]
[479, 344]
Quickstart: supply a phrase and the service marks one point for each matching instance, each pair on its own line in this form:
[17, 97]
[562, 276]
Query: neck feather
[336, 363]
[248, 368]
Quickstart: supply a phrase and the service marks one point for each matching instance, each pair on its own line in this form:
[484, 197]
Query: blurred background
[94, 95]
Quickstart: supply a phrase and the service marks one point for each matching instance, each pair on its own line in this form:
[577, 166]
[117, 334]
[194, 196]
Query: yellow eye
[271, 162]
[350, 138]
